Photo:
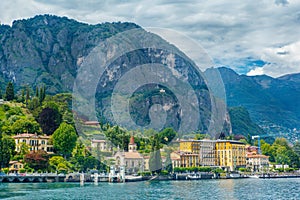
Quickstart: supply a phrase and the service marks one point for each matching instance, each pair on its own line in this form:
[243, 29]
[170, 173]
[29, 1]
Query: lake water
[201, 189]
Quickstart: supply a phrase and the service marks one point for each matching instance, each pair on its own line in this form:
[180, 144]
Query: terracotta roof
[91, 123]
[131, 140]
[30, 135]
[133, 155]
[14, 161]
[98, 141]
[257, 156]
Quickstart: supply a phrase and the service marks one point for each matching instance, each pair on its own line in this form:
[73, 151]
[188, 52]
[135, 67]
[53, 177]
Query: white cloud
[231, 32]
[256, 71]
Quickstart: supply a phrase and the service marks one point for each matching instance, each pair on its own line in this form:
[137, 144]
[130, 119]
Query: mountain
[273, 103]
[55, 50]
[242, 123]
[49, 49]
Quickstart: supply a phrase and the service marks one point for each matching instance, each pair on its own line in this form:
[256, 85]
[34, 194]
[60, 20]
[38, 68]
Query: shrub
[242, 169]
[5, 170]
[164, 172]
[218, 170]
[22, 170]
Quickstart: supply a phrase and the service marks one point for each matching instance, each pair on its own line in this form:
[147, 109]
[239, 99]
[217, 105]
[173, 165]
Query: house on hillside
[34, 141]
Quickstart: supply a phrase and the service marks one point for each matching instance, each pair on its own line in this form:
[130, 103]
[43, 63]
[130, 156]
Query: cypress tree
[9, 93]
[27, 95]
[41, 95]
[44, 92]
[22, 95]
[36, 91]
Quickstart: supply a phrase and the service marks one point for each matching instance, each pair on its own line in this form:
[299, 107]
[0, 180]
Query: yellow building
[15, 166]
[189, 159]
[230, 154]
[35, 142]
[190, 146]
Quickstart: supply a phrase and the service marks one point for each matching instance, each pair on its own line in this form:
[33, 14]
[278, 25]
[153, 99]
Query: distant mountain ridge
[271, 102]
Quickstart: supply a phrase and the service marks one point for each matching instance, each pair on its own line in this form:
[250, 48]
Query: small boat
[130, 178]
[193, 177]
[253, 176]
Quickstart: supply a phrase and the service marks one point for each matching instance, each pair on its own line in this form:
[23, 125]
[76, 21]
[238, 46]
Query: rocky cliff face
[49, 49]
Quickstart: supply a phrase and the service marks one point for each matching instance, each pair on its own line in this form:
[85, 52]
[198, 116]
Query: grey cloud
[281, 2]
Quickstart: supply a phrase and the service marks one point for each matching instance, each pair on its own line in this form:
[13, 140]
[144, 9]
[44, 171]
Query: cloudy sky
[252, 37]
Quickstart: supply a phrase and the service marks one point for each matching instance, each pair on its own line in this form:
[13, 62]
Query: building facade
[258, 163]
[15, 166]
[255, 161]
[132, 160]
[101, 145]
[230, 154]
[189, 146]
[207, 153]
[34, 142]
[195, 153]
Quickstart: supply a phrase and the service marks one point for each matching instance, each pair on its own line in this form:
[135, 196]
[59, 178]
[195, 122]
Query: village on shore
[39, 138]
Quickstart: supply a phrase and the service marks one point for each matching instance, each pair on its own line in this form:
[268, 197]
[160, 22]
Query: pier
[27, 178]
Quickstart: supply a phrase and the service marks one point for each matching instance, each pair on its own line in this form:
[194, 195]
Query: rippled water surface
[204, 189]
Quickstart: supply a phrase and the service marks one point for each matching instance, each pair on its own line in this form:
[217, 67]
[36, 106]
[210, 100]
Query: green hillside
[242, 124]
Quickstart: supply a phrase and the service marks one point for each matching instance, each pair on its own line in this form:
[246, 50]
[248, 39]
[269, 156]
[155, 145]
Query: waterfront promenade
[25, 178]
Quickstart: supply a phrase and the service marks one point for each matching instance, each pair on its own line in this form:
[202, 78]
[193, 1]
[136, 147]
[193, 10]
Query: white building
[132, 160]
[257, 162]
[35, 142]
[101, 145]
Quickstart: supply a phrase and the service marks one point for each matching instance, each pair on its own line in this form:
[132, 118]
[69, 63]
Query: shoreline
[89, 178]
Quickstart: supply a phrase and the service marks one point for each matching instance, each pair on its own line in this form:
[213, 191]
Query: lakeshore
[82, 178]
[156, 190]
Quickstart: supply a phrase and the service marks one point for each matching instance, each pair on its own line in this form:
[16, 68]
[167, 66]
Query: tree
[200, 136]
[282, 156]
[36, 91]
[22, 99]
[27, 96]
[49, 119]
[24, 149]
[9, 93]
[90, 162]
[37, 160]
[25, 125]
[64, 139]
[167, 135]
[118, 137]
[7, 148]
[296, 148]
[58, 163]
[34, 103]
